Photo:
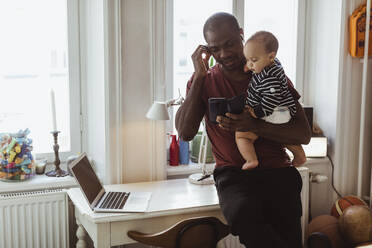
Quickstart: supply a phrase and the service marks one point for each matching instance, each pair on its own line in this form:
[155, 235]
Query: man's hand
[191, 112]
[240, 122]
[251, 111]
[295, 132]
[201, 64]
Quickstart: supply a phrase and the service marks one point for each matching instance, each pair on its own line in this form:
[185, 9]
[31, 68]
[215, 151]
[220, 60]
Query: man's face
[256, 56]
[225, 44]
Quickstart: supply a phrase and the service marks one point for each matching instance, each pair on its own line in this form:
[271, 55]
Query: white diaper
[280, 115]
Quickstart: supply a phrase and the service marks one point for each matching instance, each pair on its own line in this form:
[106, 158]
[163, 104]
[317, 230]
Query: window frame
[238, 11]
[73, 44]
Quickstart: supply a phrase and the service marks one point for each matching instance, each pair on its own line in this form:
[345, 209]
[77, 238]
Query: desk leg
[81, 234]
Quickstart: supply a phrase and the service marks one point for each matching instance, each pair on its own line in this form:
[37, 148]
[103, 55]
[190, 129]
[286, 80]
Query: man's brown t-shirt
[270, 154]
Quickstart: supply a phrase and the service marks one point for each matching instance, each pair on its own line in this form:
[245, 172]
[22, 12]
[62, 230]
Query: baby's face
[257, 57]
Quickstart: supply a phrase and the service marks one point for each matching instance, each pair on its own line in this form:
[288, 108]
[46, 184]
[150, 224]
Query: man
[262, 206]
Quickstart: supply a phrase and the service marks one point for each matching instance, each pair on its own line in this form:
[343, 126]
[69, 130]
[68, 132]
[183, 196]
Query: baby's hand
[251, 111]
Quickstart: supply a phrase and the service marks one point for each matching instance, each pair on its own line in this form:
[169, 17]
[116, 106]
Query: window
[35, 57]
[281, 18]
[188, 34]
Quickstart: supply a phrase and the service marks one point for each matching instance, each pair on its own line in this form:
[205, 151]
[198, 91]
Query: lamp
[159, 111]
[204, 177]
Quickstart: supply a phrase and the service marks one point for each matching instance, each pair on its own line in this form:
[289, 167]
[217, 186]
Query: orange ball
[328, 225]
[342, 203]
[356, 224]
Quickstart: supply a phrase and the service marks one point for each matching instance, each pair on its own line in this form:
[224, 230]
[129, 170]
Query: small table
[171, 201]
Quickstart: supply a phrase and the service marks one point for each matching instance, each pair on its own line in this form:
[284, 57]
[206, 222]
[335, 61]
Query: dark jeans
[263, 207]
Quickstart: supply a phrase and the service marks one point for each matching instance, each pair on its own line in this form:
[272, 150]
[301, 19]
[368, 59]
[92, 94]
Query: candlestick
[53, 106]
[57, 172]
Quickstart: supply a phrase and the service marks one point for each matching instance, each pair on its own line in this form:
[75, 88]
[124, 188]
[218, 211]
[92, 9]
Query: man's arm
[191, 112]
[296, 131]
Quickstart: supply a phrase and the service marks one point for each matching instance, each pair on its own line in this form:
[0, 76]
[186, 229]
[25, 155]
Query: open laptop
[101, 201]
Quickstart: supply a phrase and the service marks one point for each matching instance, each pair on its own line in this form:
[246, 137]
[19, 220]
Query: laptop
[101, 201]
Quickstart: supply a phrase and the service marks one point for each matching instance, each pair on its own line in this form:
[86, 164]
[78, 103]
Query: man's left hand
[237, 122]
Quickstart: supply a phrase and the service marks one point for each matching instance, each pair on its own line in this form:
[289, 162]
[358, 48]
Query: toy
[16, 160]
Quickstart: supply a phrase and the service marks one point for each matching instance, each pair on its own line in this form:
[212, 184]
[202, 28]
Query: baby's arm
[296, 131]
[271, 95]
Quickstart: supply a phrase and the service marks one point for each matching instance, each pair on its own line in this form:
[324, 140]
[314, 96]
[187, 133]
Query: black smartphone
[222, 105]
[217, 106]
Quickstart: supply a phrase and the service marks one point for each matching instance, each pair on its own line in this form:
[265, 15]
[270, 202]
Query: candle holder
[57, 172]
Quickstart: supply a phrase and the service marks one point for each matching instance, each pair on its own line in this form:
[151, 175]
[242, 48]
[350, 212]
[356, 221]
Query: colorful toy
[17, 149]
[16, 160]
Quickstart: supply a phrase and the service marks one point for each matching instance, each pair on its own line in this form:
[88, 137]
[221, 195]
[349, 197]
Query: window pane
[281, 20]
[34, 60]
[188, 34]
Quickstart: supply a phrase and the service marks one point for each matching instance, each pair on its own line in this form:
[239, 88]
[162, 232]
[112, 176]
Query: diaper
[280, 115]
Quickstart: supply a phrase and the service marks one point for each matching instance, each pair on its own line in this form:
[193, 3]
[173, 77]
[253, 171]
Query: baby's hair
[269, 41]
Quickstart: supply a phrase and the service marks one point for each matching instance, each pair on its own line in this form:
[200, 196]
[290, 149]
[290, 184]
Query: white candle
[52, 97]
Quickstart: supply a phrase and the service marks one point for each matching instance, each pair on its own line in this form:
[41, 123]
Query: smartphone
[223, 105]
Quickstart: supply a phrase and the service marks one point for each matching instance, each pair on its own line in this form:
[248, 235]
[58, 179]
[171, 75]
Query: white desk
[172, 201]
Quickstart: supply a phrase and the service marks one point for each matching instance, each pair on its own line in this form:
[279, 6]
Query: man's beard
[232, 64]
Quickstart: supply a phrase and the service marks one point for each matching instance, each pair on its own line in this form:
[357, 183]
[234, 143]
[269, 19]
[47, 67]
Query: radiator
[231, 241]
[37, 219]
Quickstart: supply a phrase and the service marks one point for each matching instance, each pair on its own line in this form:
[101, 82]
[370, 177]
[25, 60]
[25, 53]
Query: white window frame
[300, 50]
[238, 11]
[74, 84]
[160, 25]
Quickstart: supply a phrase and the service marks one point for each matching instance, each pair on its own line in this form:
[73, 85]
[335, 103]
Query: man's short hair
[269, 41]
[215, 21]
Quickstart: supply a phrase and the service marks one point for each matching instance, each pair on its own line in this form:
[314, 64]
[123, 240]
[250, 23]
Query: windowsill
[186, 170]
[38, 182]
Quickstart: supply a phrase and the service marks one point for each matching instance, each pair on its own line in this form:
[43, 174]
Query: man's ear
[241, 32]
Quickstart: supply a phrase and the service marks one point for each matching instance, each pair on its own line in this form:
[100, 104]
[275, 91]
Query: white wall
[136, 88]
[349, 111]
[144, 140]
[333, 86]
[120, 73]
[322, 46]
[92, 78]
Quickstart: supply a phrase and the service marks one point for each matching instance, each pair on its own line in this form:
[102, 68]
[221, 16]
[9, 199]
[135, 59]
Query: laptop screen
[87, 178]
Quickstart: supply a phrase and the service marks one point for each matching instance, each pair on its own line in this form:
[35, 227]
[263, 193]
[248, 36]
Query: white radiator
[37, 219]
[233, 241]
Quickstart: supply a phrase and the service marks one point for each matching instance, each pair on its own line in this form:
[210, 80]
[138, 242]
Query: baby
[268, 95]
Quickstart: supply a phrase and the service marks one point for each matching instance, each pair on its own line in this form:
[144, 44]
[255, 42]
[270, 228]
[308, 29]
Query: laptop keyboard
[115, 200]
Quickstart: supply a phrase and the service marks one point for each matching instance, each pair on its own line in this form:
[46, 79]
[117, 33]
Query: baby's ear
[272, 56]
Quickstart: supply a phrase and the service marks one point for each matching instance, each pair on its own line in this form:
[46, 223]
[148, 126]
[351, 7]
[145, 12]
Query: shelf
[187, 169]
[369, 59]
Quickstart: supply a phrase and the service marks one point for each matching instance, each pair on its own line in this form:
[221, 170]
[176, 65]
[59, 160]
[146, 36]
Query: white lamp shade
[158, 111]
